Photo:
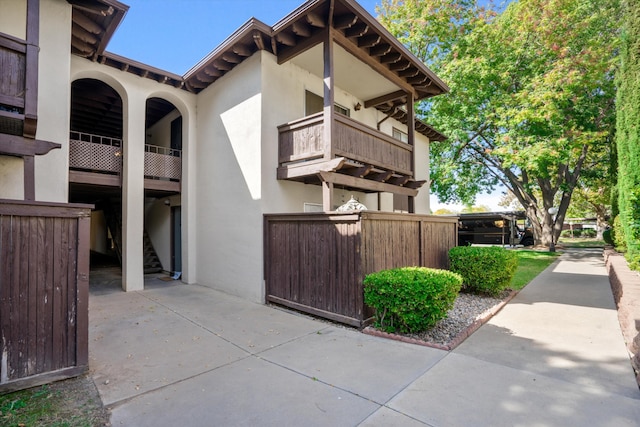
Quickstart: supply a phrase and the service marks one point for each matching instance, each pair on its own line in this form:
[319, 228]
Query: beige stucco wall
[99, 240]
[160, 133]
[422, 202]
[13, 18]
[11, 178]
[229, 193]
[54, 93]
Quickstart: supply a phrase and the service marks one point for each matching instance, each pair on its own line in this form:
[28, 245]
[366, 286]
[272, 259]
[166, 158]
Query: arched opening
[96, 174]
[95, 164]
[163, 171]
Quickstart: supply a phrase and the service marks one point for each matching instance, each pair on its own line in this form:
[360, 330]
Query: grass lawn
[568, 242]
[69, 403]
[530, 264]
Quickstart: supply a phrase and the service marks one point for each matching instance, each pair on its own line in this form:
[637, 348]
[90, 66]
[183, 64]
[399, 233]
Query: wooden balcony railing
[95, 153]
[13, 84]
[101, 154]
[302, 140]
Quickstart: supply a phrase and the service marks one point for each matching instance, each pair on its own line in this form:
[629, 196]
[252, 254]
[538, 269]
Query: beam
[302, 29]
[298, 170]
[87, 24]
[374, 102]
[357, 30]
[360, 54]
[241, 49]
[232, 58]
[369, 41]
[13, 145]
[286, 38]
[92, 7]
[365, 184]
[359, 172]
[344, 21]
[258, 40]
[315, 20]
[380, 49]
[381, 176]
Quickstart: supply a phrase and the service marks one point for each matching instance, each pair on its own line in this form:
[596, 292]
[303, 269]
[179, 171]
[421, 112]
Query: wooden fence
[44, 289]
[316, 262]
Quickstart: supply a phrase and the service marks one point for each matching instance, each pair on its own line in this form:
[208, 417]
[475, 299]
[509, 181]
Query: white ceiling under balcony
[351, 74]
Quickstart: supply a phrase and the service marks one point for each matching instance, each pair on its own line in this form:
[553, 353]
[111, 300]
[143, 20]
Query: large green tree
[532, 96]
[628, 132]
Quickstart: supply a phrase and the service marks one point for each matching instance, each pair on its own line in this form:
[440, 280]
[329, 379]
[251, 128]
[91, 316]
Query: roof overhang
[358, 33]
[93, 25]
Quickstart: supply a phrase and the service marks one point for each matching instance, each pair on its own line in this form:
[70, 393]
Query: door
[176, 239]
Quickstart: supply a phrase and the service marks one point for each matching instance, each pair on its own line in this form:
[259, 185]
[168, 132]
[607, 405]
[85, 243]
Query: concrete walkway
[186, 355]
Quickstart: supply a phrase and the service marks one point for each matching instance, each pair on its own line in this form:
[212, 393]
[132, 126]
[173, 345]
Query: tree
[532, 96]
[628, 133]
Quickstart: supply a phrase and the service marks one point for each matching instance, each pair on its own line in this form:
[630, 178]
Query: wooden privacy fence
[44, 290]
[316, 262]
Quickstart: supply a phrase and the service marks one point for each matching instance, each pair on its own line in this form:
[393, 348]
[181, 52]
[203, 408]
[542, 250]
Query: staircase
[113, 216]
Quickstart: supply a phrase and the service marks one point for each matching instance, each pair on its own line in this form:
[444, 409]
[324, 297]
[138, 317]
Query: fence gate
[44, 290]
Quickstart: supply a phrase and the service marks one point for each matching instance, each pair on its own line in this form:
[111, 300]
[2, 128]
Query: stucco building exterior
[192, 163]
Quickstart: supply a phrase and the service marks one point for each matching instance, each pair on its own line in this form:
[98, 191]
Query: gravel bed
[467, 309]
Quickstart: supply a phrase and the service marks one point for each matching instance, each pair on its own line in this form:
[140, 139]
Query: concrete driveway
[178, 354]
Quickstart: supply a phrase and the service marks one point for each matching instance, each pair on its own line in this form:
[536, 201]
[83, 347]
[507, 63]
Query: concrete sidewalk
[187, 355]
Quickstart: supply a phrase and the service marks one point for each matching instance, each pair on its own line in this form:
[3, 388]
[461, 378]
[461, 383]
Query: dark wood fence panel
[44, 281]
[389, 243]
[316, 262]
[437, 239]
[311, 258]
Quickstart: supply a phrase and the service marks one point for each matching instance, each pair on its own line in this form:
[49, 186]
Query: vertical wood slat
[316, 262]
[44, 250]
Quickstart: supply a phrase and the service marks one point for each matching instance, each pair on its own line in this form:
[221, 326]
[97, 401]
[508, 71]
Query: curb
[625, 286]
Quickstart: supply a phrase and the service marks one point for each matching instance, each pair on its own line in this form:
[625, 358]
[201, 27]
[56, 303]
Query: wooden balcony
[359, 157]
[18, 91]
[97, 160]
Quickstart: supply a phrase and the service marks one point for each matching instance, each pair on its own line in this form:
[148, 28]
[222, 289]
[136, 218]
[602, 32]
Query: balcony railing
[95, 153]
[101, 154]
[302, 140]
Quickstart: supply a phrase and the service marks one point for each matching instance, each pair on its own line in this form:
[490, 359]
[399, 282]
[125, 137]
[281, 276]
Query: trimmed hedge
[486, 269]
[410, 299]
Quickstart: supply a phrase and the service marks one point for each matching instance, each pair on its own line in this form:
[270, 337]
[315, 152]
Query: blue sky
[174, 35]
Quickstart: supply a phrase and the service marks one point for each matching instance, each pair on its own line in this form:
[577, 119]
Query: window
[312, 207]
[314, 104]
[400, 136]
[400, 203]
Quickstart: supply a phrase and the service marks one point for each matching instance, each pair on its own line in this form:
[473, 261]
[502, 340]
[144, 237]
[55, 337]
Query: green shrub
[410, 299]
[485, 270]
[607, 236]
[589, 232]
[618, 235]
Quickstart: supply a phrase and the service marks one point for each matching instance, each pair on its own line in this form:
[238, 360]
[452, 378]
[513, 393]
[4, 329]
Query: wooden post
[327, 196]
[328, 111]
[411, 137]
[328, 116]
[31, 77]
[29, 178]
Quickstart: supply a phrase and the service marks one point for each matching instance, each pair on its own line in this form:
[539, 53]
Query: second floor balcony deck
[358, 157]
[96, 159]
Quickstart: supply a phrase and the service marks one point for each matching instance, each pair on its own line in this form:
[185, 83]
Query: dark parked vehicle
[493, 228]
